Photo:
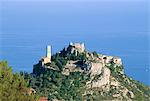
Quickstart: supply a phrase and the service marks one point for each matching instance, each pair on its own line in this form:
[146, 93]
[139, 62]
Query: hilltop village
[95, 63]
[75, 73]
[78, 48]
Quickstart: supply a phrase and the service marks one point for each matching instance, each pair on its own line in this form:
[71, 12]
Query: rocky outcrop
[96, 68]
[71, 66]
[104, 79]
[114, 82]
[101, 74]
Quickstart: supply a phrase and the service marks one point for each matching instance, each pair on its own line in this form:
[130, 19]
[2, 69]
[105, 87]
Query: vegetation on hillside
[52, 83]
[55, 85]
[13, 87]
[141, 92]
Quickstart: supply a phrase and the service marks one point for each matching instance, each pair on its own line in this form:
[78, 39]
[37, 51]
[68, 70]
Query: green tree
[12, 86]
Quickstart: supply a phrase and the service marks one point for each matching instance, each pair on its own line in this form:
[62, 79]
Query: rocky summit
[75, 74]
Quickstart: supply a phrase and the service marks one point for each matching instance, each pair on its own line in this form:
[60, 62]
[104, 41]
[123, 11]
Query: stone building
[47, 58]
[109, 59]
[76, 47]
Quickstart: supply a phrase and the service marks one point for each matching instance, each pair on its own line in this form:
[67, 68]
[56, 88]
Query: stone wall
[78, 46]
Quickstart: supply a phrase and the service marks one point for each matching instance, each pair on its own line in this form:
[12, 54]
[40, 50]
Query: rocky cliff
[87, 76]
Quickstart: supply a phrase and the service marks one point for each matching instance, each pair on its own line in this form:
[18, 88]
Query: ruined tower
[80, 47]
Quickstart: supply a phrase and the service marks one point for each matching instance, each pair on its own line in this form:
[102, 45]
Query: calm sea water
[24, 50]
[112, 28]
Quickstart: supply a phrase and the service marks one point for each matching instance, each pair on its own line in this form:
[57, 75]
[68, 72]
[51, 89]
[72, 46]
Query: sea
[117, 28]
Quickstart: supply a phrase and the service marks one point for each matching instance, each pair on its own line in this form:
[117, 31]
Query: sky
[113, 27]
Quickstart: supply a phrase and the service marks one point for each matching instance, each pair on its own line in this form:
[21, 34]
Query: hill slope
[76, 74]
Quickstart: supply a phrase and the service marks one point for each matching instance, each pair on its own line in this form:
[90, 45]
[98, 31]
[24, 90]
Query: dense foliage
[12, 86]
[53, 84]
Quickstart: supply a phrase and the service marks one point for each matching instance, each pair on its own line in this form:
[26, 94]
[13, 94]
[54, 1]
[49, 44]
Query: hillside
[13, 86]
[74, 74]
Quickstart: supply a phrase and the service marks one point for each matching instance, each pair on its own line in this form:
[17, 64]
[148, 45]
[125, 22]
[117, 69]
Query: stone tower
[48, 52]
[46, 59]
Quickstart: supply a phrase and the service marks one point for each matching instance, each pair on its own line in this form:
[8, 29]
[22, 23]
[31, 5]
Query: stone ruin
[76, 48]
